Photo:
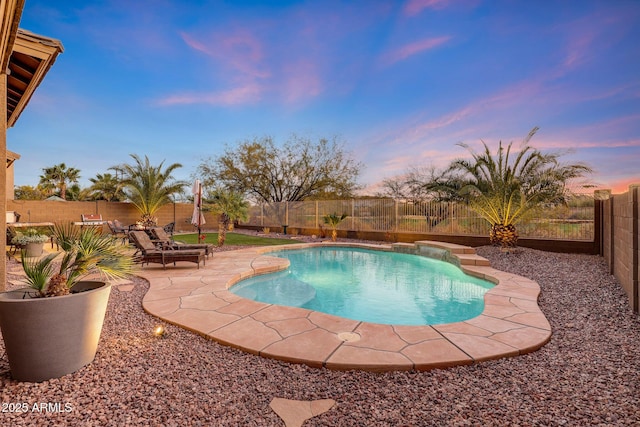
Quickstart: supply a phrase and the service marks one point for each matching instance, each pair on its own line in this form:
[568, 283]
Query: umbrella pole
[199, 210]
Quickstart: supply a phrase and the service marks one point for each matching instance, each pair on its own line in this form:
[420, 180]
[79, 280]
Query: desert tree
[419, 184]
[299, 169]
[28, 192]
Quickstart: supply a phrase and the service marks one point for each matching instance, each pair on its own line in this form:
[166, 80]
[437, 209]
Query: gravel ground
[588, 374]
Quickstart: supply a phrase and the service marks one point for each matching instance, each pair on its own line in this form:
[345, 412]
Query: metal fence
[572, 222]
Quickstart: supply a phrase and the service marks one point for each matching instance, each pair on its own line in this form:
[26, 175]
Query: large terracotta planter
[50, 337]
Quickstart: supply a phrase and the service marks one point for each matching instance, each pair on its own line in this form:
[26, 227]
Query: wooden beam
[34, 49]
[11, 11]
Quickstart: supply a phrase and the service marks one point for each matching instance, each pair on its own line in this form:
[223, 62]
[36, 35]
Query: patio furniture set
[163, 250]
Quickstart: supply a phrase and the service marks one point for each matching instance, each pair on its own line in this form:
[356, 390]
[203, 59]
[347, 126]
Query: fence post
[612, 235]
[451, 209]
[599, 196]
[286, 213]
[317, 219]
[635, 237]
[395, 215]
[261, 214]
[353, 214]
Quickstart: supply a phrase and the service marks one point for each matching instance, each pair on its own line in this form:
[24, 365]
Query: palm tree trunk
[504, 235]
[222, 233]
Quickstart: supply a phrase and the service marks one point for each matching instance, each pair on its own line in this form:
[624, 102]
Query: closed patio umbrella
[197, 219]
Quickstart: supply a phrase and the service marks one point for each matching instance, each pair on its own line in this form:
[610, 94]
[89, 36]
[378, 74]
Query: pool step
[451, 252]
[451, 247]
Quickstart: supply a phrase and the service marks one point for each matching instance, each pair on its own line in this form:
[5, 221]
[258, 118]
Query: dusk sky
[399, 82]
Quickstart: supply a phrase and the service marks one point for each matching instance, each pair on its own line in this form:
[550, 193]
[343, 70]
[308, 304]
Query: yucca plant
[84, 251]
[333, 220]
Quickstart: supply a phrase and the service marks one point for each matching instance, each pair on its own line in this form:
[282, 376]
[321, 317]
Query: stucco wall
[621, 241]
[51, 211]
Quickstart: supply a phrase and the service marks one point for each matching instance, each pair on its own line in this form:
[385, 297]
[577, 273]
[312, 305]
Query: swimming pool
[372, 286]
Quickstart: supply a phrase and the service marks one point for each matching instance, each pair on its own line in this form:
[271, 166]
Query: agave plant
[84, 251]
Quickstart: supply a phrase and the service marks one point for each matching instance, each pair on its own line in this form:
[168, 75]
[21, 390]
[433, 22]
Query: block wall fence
[620, 242]
[52, 211]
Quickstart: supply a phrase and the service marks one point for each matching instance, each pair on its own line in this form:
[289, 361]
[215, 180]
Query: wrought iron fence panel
[575, 221]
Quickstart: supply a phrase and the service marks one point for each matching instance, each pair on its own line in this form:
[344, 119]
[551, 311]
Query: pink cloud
[195, 44]
[249, 66]
[490, 106]
[446, 120]
[236, 96]
[585, 40]
[414, 7]
[240, 50]
[596, 135]
[241, 54]
[302, 81]
[414, 48]
[575, 143]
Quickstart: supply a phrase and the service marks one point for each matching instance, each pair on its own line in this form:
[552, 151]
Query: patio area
[588, 373]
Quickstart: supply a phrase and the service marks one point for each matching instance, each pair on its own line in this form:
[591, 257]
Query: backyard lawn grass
[234, 239]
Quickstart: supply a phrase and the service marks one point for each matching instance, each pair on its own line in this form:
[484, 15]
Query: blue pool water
[371, 286]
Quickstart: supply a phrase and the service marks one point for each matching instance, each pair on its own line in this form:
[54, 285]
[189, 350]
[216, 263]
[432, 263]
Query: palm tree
[106, 187]
[58, 177]
[85, 251]
[504, 190]
[230, 207]
[333, 220]
[149, 187]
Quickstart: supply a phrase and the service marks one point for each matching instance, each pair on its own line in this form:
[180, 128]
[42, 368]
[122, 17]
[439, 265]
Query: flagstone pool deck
[198, 299]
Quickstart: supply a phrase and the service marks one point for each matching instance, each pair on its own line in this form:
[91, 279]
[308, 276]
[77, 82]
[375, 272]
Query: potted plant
[52, 327]
[31, 241]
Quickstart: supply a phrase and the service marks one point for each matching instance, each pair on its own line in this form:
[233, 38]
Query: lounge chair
[13, 247]
[118, 231]
[159, 235]
[169, 228]
[152, 253]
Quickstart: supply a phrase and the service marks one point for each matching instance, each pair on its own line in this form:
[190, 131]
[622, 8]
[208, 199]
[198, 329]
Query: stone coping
[198, 300]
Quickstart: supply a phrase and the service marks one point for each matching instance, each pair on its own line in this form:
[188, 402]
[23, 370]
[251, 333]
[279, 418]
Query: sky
[399, 83]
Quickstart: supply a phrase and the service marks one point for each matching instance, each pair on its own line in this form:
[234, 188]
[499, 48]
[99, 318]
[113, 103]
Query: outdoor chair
[159, 236]
[149, 252]
[169, 228]
[118, 231]
[13, 247]
[123, 227]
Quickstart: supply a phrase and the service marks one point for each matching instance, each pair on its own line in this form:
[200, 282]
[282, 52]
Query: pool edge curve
[198, 300]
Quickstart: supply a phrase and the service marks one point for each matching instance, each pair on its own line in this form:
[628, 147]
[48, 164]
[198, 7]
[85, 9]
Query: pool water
[371, 286]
